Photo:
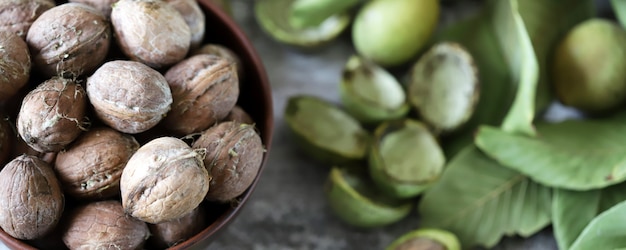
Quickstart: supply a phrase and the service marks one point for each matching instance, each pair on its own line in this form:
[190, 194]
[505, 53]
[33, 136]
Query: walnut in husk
[31, 201]
[234, 156]
[194, 17]
[14, 64]
[129, 96]
[204, 88]
[52, 115]
[164, 180]
[170, 233]
[91, 167]
[71, 40]
[17, 16]
[151, 32]
[103, 225]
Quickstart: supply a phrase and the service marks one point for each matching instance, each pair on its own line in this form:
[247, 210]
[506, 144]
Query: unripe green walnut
[392, 32]
[589, 69]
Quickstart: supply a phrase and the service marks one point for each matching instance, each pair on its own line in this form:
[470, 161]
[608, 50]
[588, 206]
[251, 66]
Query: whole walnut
[129, 96]
[234, 156]
[164, 180]
[104, 6]
[103, 225]
[224, 52]
[31, 201]
[151, 32]
[170, 233]
[16, 16]
[194, 17]
[69, 40]
[91, 166]
[52, 115]
[14, 64]
[204, 89]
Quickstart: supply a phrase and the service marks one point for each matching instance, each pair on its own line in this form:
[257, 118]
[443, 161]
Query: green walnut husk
[405, 158]
[392, 32]
[444, 86]
[355, 200]
[370, 93]
[426, 238]
[326, 132]
[589, 67]
[312, 13]
[273, 17]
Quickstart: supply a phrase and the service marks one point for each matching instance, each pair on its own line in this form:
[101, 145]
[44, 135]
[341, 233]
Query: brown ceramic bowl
[255, 98]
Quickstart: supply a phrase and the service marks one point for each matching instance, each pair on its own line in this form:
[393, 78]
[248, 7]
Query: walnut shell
[234, 156]
[31, 202]
[103, 225]
[69, 40]
[237, 114]
[151, 32]
[170, 233]
[164, 180]
[52, 115]
[18, 15]
[91, 167]
[194, 17]
[204, 88]
[104, 6]
[14, 64]
[129, 96]
[224, 52]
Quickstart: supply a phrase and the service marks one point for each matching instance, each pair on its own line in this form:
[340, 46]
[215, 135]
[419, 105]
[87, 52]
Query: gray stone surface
[288, 209]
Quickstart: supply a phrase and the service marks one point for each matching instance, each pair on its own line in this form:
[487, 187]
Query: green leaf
[518, 50]
[607, 231]
[574, 154]
[568, 223]
[536, 14]
[619, 8]
[480, 201]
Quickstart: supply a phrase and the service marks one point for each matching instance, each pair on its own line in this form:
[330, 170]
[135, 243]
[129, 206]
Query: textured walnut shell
[91, 167]
[204, 88]
[151, 32]
[129, 96]
[104, 6]
[224, 52]
[18, 15]
[103, 225]
[14, 64]
[52, 115]
[69, 40]
[170, 233]
[31, 202]
[237, 114]
[234, 156]
[164, 180]
[194, 17]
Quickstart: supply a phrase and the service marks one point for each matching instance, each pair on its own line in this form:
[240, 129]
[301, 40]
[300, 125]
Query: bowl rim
[242, 41]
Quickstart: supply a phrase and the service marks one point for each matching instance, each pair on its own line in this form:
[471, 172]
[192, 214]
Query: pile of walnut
[119, 124]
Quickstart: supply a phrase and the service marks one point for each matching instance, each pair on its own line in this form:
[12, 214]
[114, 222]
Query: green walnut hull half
[356, 201]
[405, 158]
[325, 132]
[426, 238]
